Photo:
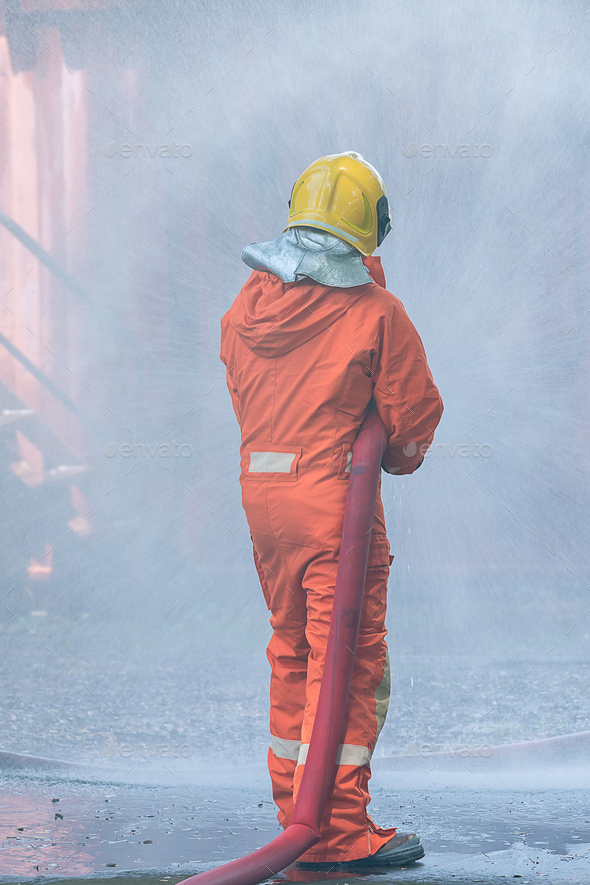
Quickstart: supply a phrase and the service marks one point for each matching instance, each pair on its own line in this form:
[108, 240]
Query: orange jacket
[304, 360]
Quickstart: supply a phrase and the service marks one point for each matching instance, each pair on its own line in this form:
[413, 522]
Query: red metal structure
[304, 828]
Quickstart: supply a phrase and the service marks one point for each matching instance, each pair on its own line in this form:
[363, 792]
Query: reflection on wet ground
[54, 829]
[77, 831]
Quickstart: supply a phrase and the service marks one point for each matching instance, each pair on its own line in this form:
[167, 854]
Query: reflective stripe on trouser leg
[382, 696]
[348, 754]
[285, 749]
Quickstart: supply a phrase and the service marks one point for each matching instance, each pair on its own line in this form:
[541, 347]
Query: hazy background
[152, 595]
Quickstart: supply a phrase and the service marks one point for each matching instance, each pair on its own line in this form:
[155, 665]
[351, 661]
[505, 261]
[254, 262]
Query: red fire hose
[304, 828]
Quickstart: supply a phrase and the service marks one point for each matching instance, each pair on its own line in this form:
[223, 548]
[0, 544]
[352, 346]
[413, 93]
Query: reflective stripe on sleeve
[271, 462]
[348, 754]
[284, 749]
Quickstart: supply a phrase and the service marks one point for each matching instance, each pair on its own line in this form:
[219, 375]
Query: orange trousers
[296, 530]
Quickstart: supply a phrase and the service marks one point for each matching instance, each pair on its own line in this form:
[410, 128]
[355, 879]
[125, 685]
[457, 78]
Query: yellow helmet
[344, 195]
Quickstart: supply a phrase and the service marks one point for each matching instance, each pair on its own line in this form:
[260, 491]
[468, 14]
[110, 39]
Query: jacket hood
[272, 317]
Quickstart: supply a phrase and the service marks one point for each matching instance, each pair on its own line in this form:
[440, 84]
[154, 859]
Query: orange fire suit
[303, 363]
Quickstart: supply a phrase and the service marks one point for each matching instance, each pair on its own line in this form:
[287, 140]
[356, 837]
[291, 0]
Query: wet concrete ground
[166, 746]
[71, 691]
[56, 829]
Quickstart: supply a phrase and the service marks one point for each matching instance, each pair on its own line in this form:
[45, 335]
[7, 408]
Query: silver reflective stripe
[271, 462]
[348, 754]
[348, 462]
[382, 695]
[284, 749]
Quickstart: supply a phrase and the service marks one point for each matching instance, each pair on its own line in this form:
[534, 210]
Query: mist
[143, 146]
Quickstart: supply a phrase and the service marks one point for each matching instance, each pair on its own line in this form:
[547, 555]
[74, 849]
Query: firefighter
[312, 338]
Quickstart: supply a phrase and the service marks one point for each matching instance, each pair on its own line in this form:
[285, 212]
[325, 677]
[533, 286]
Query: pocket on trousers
[379, 554]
